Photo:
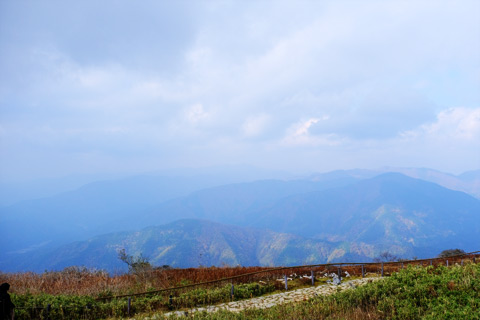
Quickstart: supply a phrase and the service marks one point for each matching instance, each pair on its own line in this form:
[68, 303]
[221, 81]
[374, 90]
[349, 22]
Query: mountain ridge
[390, 212]
[185, 243]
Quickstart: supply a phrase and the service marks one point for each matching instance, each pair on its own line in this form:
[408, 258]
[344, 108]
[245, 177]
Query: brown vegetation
[81, 281]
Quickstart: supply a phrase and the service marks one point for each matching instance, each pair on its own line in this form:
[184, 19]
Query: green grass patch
[61, 307]
[412, 293]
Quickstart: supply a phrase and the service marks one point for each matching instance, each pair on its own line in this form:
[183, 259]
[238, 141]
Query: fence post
[363, 272]
[49, 306]
[313, 277]
[286, 283]
[87, 309]
[232, 292]
[339, 271]
[473, 259]
[129, 304]
[382, 269]
[402, 265]
[431, 262]
[461, 262]
[447, 263]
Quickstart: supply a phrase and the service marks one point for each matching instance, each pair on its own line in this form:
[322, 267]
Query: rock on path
[278, 298]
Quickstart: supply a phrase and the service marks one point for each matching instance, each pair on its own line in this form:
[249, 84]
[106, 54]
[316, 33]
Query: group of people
[6, 305]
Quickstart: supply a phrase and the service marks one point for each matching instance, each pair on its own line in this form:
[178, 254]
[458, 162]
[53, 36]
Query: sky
[89, 87]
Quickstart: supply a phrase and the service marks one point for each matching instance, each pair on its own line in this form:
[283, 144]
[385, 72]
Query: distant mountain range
[391, 212]
[185, 243]
[236, 203]
[468, 182]
[127, 204]
[336, 216]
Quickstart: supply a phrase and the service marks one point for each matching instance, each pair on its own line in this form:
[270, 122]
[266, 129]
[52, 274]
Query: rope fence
[382, 266]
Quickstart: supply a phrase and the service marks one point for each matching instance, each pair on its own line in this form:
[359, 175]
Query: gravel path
[269, 301]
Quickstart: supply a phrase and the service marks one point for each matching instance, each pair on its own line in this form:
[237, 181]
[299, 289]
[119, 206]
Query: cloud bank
[113, 86]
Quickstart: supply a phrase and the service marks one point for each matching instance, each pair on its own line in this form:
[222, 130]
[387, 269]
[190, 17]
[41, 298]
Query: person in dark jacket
[6, 305]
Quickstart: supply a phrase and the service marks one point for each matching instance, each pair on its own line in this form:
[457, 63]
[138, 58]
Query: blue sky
[92, 87]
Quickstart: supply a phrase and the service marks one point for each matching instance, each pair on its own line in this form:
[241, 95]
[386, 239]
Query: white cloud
[301, 129]
[196, 114]
[454, 124]
[299, 135]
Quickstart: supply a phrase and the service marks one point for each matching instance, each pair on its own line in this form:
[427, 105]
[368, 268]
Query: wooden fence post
[129, 305]
[313, 277]
[232, 292]
[431, 262]
[382, 269]
[87, 309]
[286, 283]
[363, 272]
[447, 262]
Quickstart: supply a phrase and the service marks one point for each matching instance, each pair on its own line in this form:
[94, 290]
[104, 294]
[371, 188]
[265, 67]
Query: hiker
[6, 305]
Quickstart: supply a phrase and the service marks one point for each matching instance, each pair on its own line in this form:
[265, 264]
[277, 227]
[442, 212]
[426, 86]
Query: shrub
[450, 253]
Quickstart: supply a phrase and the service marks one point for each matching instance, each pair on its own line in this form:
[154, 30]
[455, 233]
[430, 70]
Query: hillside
[184, 243]
[130, 204]
[234, 203]
[413, 289]
[390, 212]
[97, 208]
[87, 210]
[361, 216]
[411, 294]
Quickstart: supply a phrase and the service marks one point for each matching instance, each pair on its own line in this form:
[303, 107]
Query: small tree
[450, 253]
[386, 257]
[136, 265]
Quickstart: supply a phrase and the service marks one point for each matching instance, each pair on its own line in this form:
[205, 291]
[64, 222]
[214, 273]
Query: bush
[450, 253]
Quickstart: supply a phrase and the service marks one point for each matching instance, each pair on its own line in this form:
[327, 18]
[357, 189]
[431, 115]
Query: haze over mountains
[337, 216]
[186, 243]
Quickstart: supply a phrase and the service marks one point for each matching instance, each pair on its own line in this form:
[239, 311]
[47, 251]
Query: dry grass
[81, 281]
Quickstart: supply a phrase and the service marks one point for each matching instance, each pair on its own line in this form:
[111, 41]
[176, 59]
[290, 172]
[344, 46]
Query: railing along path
[364, 266]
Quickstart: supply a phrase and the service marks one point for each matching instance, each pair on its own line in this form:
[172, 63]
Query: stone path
[269, 301]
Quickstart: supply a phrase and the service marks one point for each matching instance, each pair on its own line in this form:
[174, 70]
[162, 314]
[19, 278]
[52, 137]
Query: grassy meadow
[416, 292]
